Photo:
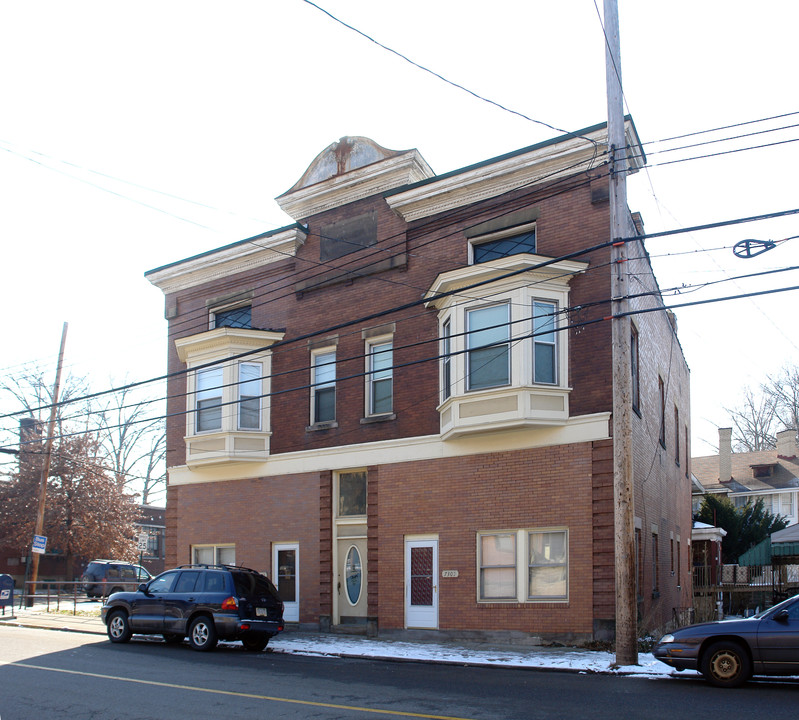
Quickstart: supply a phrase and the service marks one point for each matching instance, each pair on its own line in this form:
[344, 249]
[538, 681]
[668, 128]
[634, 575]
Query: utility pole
[623, 499]
[46, 464]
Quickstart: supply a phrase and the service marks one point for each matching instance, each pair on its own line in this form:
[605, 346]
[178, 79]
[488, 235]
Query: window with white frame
[446, 360]
[380, 377]
[783, 504]
[208, 399]
[545, 356]
[525, 565]
[502, 244]
[249, 391]
[488, 344]
[213, 554]
[236, 316]
[323, 391]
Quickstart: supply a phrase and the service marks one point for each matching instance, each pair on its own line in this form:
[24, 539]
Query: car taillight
[230, 604]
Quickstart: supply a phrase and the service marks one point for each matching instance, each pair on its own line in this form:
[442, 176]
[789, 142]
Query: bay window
[209, 399]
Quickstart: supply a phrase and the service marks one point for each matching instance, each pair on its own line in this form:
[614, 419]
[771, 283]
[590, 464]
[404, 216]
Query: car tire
[726, 664]
[255, 642]
[202, 634]
[118, 627]
[172, 638]
[115, 589]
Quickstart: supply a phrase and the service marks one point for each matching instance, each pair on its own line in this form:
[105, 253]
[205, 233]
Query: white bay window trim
[537, 391]
[227, 397]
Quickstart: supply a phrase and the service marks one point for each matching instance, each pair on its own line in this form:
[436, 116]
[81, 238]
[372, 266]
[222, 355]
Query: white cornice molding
[559, 273]
[404, 169]
[582, 429]
[226, 261]
[224, 341]
[544, 162]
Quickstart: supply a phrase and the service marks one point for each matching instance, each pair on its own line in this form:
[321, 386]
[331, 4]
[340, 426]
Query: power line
[449, 82]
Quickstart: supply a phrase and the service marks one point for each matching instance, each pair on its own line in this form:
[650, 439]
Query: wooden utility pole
[46, 463]
[623, 500]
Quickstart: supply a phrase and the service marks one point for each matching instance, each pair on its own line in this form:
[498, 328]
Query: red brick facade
[550, 474]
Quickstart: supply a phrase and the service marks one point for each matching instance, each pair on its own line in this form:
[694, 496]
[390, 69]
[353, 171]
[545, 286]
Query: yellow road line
[252, 696]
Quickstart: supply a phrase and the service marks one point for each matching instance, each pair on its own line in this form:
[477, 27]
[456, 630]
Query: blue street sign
[39, 543]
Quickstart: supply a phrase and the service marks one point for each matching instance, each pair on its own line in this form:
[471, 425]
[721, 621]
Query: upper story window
[208, 399]
[249, 404]
[503, 359]
[503, 244]
[545, 359]
[234, 317]
[380, 377]
[488, 343]
[323, 390]
[227, 398]
[662, 405]
[446, 359]
[635, 369]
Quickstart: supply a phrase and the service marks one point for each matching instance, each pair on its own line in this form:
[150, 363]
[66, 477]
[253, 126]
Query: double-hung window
[209, 399]
[324, 387]
[545, 356]
[488, 347]
[249, 396]
[446, 359]
[523, 565]
[380, 377]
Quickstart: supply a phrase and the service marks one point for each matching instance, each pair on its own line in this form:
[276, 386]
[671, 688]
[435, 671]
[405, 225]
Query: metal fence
[53, 595]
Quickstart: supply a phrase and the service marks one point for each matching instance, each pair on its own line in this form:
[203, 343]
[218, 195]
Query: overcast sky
[136, 134]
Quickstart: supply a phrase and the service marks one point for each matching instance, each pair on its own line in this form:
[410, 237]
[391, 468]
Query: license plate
[261, 612]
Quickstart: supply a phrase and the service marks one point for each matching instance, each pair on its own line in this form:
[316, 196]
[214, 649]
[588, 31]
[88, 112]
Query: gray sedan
[729, 652]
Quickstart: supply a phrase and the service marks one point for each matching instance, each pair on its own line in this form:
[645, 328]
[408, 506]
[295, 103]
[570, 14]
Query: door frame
[429, 622]
[291, 610]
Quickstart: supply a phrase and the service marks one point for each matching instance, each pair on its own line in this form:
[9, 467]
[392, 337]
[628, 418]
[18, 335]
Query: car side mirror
[782, 616]
[143, 588]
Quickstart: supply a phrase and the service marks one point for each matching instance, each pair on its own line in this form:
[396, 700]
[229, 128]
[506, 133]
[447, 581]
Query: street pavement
[457, 652]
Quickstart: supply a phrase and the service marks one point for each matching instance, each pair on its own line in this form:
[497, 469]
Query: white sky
[226, 104]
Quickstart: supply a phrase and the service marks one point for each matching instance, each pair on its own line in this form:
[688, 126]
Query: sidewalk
[298, 642]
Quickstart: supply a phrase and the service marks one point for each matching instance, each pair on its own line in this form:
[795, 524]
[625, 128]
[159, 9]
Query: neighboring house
[772, 475]
[400, 405]
[153, 523]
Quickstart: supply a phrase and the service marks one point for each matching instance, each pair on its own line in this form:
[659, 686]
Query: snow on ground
[452, 652]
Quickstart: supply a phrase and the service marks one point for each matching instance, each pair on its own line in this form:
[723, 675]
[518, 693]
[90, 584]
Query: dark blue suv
[207, 603]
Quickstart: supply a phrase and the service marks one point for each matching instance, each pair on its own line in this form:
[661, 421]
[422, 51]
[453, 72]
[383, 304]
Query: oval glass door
[353, 575]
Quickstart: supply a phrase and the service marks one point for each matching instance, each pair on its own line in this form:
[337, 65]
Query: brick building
[400, 406]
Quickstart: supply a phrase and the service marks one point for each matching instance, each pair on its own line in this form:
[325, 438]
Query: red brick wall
[457, 498]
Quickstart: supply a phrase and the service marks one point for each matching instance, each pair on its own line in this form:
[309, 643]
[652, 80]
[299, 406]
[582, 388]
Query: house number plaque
[449, 573]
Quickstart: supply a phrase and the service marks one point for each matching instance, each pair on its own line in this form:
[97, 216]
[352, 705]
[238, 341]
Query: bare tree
[753, 422]
[784, 389]
[133, 441]
[764, 412]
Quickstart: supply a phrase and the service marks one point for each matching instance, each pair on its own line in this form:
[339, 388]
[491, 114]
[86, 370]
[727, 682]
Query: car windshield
[776, 608]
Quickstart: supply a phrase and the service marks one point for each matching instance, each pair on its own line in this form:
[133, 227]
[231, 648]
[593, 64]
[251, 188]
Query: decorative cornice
[560, 272]
[224, 341]
[580, 429]
[229, 260]
[548, 161]
[379, 177]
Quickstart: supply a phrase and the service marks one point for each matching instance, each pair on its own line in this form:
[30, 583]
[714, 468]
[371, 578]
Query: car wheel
[726, 664]
[116, 589]
[118, 627]
[172, 638]
[255, 642]
[202, 634]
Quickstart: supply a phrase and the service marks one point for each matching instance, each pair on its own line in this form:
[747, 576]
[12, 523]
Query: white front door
[421, 583]
[285, 572]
